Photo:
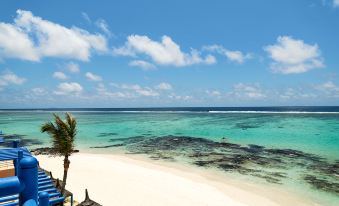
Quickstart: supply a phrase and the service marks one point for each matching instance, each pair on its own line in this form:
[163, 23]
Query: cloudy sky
[168, 53]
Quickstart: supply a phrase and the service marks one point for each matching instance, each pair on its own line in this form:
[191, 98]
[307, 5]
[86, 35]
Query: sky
[176, 53]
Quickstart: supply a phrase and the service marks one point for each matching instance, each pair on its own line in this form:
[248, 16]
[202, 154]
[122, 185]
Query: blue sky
[168, 53]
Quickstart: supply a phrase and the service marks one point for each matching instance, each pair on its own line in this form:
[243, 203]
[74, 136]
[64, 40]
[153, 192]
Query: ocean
[292, 147]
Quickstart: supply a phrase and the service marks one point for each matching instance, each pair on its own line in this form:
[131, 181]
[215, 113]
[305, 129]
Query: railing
[36, 187]
[25, 184]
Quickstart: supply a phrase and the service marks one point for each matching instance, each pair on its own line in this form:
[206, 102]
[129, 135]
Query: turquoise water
[314, 133]
[313, 136]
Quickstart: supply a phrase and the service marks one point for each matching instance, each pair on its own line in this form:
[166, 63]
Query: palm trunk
[66, 166]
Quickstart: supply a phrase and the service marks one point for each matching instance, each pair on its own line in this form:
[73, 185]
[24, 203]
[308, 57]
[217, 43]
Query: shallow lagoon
[298, 151]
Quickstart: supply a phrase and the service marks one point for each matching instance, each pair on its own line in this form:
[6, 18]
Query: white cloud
[103, 92]
[235, 56]
[137, 89]
[147, 92]
[58, 41]
[101, 24]
[329, 88]
[288, 94]
[32, 38]
[210, 59]
[92, 77]
[124, 51]
[68, 88]
[166, 52]
[164, 86]
[180, 97]
[213, 93]
[86, 17]
[247, 91]
[73, 67]
[143, 91]
[2, 84]
[298, 93]
[39, 91]
[143, 64]
[336, 3]
[292, 56]
[9, 78]
[59, 75]
[15, 43]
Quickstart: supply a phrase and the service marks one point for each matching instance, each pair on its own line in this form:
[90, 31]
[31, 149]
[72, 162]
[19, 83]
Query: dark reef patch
[24, 141]
[246, 125]
[108, 146]
[268, 164]
[322, 184]
[107, 134]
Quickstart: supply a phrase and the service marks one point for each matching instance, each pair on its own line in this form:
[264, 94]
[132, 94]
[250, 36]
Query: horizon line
[164, 107]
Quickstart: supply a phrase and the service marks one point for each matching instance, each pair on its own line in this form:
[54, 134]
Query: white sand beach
[126, 181]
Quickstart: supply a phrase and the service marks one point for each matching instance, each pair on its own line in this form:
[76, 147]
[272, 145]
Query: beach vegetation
[62, 133]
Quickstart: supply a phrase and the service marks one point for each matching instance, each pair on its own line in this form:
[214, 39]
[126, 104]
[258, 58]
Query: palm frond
[49, 128]
[62, 134]
[72, 124]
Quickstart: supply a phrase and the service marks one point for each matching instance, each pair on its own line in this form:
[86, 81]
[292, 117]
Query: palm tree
[63, 135]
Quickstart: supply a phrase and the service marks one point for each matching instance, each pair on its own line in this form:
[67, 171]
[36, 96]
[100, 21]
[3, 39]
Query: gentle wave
[83, 111]
[274, 112]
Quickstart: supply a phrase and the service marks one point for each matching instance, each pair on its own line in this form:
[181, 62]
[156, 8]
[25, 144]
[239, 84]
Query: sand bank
[126, 181]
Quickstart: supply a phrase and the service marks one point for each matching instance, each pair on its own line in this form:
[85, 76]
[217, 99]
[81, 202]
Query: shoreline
[123, 179]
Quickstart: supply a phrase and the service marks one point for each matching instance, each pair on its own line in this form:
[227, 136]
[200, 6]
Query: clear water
[310, 130]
